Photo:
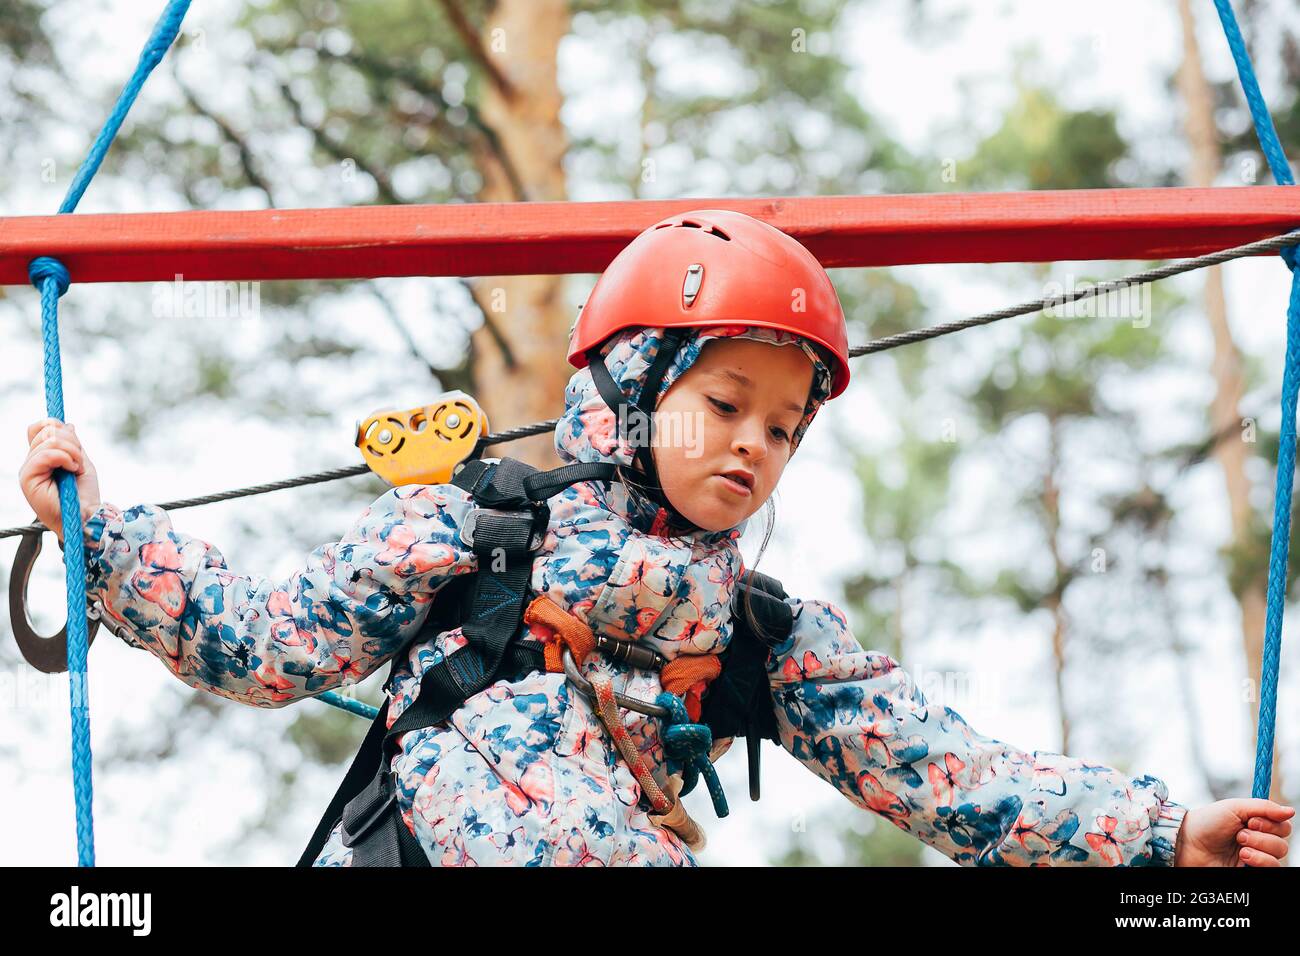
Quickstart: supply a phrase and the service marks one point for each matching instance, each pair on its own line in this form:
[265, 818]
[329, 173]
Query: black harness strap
[504, 542]
[448, 611]
[372, 827]
[548, 484]
[507, 525]
[358, 775]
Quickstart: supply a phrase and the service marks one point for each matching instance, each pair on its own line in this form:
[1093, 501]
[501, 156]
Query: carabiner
[628, 703]
[47, 654]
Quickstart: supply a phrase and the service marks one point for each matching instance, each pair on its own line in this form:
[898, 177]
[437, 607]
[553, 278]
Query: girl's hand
[1240, 832]
[54, 444]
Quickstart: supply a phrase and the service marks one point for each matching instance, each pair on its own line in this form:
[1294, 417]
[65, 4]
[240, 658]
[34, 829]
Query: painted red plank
[561, 237]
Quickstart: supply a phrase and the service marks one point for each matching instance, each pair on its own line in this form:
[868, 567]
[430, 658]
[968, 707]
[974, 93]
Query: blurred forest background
[1060, 524]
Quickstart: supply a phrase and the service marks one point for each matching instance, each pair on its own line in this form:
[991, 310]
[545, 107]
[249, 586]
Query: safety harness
[505, 528]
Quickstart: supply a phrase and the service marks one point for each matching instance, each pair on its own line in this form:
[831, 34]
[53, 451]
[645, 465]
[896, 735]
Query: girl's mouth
[735, 486]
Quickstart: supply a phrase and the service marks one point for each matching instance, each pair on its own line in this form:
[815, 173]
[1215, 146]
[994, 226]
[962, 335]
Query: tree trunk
[518, 364]
[1232, 454]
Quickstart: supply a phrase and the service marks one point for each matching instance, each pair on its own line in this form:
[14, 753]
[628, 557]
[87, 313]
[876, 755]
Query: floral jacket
[524, 772]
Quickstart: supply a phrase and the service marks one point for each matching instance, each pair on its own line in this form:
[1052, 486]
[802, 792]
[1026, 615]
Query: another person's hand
[54, 444]
[1238, 832]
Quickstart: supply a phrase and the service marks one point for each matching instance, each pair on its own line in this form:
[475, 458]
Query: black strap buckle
[375, 802]
[467, 526]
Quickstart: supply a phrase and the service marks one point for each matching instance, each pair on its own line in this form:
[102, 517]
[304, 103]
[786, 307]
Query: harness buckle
[649, 708]
[471, 520]
[373, 815]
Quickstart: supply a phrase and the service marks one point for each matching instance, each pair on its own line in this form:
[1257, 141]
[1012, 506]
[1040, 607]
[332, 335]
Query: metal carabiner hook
[47, 654]
[649, 708]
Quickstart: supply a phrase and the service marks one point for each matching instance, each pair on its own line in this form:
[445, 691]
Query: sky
[1107, 53]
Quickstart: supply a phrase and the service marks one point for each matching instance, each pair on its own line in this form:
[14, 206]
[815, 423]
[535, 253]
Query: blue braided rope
[51, 277]
[687, 745]
[155, 48]
[1264, 128]
[1286, 452]
[350, 704]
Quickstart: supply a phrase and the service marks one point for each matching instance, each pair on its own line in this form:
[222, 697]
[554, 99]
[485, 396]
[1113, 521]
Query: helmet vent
[713, 230]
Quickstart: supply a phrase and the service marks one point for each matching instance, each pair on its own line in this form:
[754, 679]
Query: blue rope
[155, 48]
[1286, 451]
[51, 277]
[1264, 128]
[687, 745]
[351, 705]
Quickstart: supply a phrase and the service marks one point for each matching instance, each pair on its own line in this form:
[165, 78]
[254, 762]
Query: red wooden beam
[358, 242]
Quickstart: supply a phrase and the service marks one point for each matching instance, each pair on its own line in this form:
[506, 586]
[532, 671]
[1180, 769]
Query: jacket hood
[588, 429]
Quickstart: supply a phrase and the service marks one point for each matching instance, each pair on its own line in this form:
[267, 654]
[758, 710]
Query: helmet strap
[639, 418]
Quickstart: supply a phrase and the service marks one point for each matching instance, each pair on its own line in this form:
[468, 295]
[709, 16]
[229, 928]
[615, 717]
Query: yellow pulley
[422, 445]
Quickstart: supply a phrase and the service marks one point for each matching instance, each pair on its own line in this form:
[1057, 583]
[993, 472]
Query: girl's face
[734, 411]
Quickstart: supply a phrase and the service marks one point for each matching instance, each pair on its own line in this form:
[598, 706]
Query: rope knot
[687, 745]
[683, 738]
[47, 267]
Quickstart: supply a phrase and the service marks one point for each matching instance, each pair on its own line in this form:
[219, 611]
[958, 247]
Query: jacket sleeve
[268, 642]
[856, 719]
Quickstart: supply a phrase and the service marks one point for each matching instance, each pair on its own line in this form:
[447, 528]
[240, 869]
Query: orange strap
[566, 631]
[687, 675]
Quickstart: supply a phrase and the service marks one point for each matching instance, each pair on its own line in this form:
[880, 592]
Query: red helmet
[712, 267]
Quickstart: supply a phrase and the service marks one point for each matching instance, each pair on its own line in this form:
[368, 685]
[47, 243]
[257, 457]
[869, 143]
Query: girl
[730, 333]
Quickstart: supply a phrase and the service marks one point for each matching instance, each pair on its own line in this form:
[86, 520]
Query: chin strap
[635, 420]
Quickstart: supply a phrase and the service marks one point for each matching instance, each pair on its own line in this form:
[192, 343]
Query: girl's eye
[777, 432]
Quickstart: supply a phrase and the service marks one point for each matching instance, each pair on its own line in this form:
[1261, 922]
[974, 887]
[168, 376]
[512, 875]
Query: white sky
[1113, 53]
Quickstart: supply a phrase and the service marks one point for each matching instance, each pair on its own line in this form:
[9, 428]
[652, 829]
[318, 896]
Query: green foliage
[26, 53]
[327, 734]
[1247, 559]
[22, 36]
[905, 490]
[1060, 365]
[1041, 145]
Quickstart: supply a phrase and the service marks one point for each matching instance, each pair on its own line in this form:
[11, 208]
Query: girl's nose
[747, 446]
